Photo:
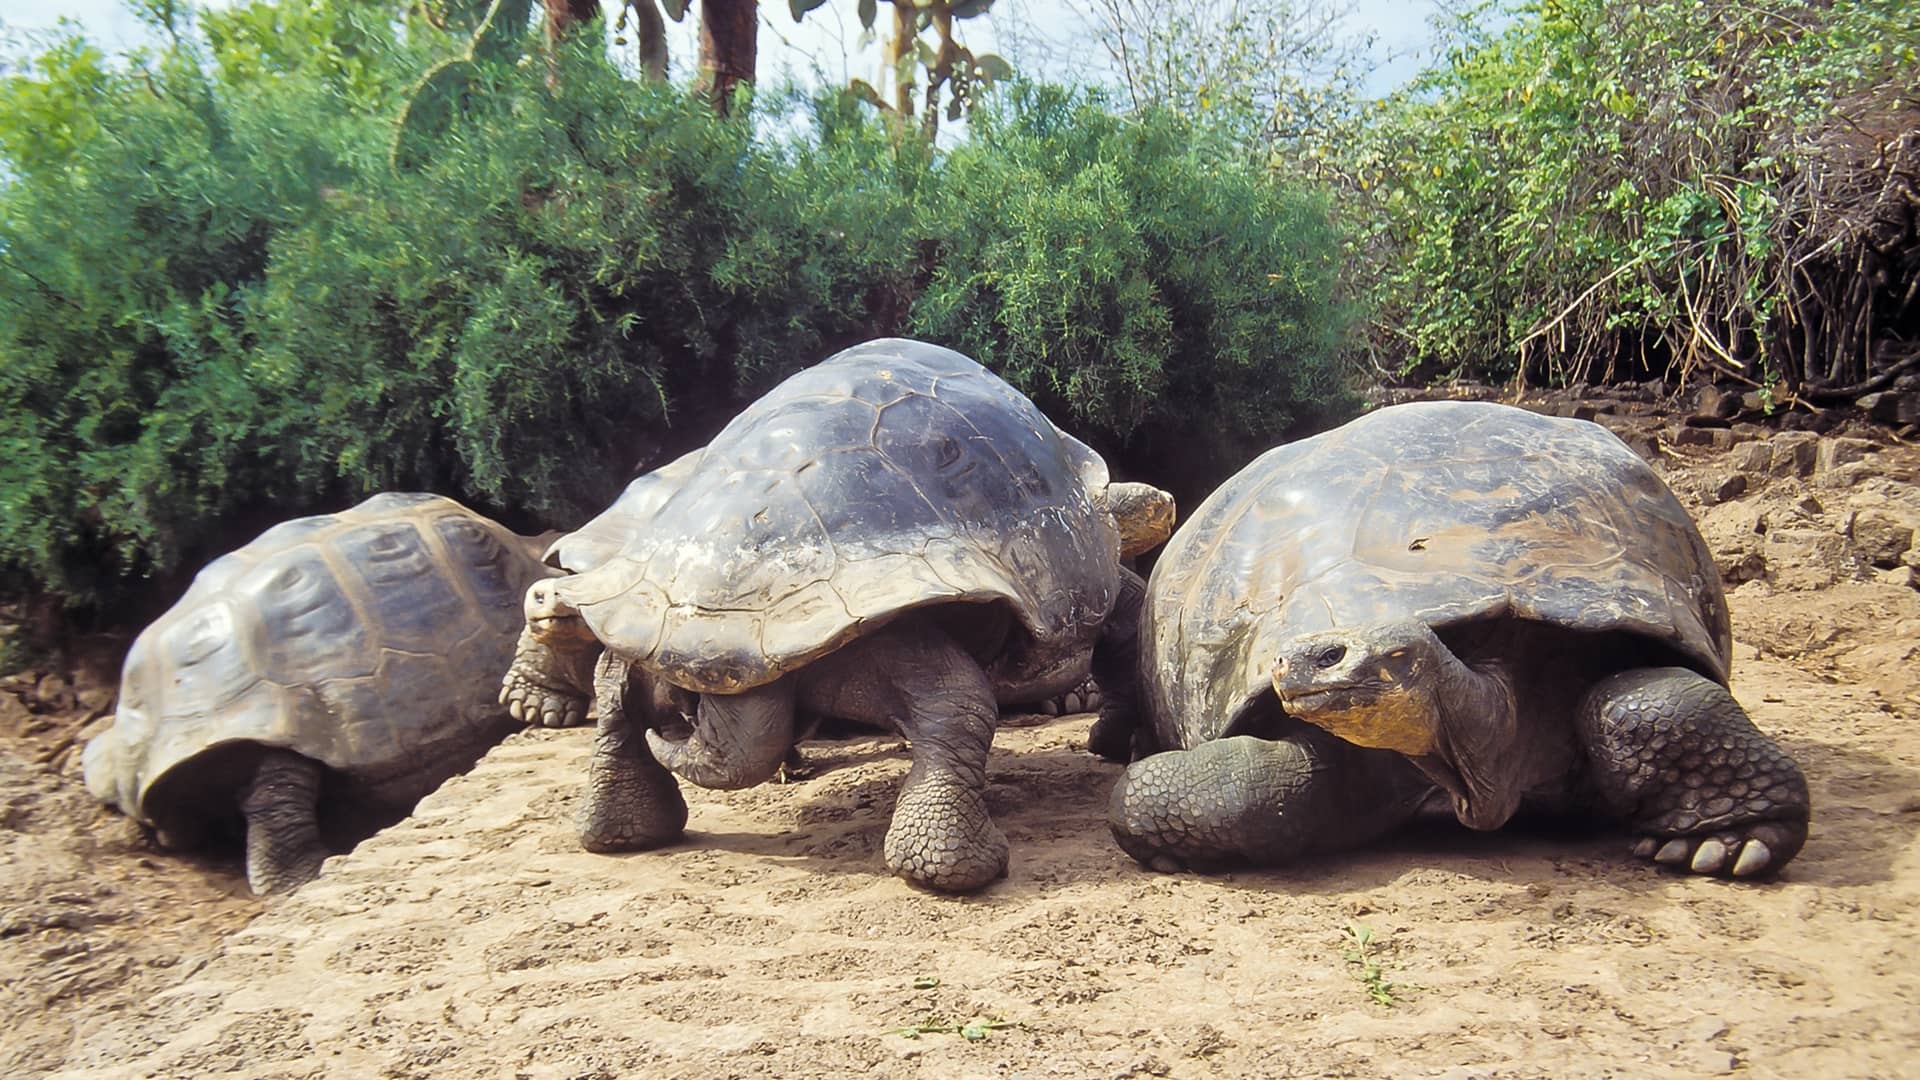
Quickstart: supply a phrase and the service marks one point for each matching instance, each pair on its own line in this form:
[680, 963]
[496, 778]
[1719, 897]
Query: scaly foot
[532, 703]
[942, 837]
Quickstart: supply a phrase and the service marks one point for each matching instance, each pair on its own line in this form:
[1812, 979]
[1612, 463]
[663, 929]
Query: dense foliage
[221, 302]
[1137, 276]
[1594, 185]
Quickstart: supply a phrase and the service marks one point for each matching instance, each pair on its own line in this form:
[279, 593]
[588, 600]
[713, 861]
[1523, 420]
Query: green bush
[1144, 283]
[126, 417]
[577, 285]
[221, 304]
[1594, 186]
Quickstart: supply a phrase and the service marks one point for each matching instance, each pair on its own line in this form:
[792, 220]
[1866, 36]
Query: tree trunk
[728, 42]
[651, 31]
[906, 29]
[564, 15]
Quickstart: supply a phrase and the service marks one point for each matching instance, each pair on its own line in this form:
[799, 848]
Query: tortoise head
[1144, 515]
[551, 620]
[1372, 686]
[1396, 686]
[110, 765]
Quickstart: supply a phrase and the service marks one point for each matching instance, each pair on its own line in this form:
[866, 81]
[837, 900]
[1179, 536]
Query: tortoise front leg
[550, 681]
[633, 802]
[1263, 801]
[1676, 757]
[913, 678]
[280, 803]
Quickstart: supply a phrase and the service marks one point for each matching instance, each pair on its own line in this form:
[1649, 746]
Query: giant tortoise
[895, 537]
[314, 684]
[1456, 602]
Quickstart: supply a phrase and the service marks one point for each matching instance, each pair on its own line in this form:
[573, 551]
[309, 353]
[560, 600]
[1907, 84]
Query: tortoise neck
[1477, 755]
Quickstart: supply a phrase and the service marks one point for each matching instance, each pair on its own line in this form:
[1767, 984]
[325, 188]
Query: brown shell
[371, 640]
[891, 476]
[1437, 511]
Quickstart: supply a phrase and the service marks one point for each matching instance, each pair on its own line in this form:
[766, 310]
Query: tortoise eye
[1329, 656]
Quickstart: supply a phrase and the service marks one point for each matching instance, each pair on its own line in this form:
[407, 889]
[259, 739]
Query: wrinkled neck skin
[1478, 757]
[1473, 729]
[1488, 731]
[573, 657]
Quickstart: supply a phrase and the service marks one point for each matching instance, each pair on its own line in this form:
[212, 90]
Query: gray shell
[371, 640]
[1438, 511]
[891, 476]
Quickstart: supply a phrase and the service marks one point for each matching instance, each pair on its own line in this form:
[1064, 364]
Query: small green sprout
[1359, 956]
[974, 1030]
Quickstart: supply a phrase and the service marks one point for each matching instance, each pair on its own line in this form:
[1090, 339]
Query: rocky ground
[475, 939]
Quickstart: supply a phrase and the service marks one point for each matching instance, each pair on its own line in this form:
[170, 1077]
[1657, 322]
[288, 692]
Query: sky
[824, 40]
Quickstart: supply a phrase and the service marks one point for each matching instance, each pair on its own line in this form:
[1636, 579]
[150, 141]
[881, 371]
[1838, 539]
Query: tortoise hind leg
[913, 678]
[1673, 754]
[280, 803]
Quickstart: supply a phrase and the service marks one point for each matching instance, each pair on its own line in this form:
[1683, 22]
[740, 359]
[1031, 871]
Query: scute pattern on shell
[371, 640]
[1438, 511]
[893, 475]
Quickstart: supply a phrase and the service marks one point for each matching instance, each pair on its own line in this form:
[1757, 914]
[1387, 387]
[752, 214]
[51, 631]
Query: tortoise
[314, 684]
[895, 537]
[1445, 604]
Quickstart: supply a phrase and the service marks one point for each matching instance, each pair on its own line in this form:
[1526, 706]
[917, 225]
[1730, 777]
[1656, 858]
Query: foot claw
[1754, 857]
[1675, 851]
[1726, 855]
[1709, 857]
[531, 703]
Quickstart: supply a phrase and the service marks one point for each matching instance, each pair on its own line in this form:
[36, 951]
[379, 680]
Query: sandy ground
[475, 939]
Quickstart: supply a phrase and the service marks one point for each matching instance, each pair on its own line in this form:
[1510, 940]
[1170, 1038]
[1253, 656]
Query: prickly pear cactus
[441, 94]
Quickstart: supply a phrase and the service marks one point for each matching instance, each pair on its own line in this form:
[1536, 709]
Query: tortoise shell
[1442, 512]
[892, 476]
[371, 640]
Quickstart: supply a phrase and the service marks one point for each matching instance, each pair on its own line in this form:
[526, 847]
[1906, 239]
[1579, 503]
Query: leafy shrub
[1596, 185]
[1143, 283]
[222, 305]
[126, 417]
[578, 285]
